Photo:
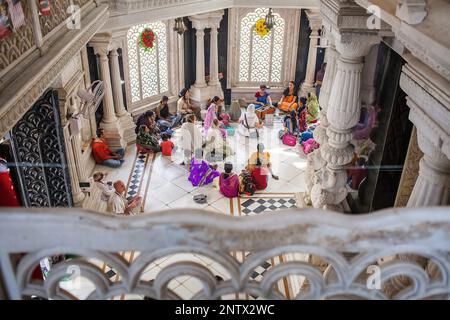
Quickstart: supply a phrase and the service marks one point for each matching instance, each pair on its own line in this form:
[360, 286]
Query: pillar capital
[101, 43]
[315, 20]
[207, 20]
[355, 45]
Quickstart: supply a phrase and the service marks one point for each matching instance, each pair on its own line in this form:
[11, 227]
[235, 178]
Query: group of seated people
[204, 146]
[254, 177]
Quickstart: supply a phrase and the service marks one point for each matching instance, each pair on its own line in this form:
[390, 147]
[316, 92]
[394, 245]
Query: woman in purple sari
[229, 182]
[201, 172]
[213, 109]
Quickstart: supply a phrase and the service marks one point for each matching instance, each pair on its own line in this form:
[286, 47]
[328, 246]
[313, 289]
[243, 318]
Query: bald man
[118, 204]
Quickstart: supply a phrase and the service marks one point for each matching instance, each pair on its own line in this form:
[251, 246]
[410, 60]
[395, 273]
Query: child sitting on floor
[166, 145]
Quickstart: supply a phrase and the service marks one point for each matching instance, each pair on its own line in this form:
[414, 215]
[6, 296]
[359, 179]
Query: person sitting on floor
[312, 106]
[201, 173]
[288, 100]
[143, 120]
[217, 147]
[118, 204]
[301, 116]
[262, 98]
[211, 115]
[164, 119]
[103, 155]
[229, 182]
[106, 188]
[191, 138]
[166, 145]
[147, 140]
[249, 122]
[261, 159]
[185, 106]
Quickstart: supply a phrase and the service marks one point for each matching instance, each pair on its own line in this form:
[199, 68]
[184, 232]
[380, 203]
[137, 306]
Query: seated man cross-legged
[103, 155]
[118, 204]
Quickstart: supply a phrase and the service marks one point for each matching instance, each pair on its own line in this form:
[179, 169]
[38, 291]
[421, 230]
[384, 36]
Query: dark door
[39, 152]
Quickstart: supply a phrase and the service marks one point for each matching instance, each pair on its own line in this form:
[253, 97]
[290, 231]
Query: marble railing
[353, 248]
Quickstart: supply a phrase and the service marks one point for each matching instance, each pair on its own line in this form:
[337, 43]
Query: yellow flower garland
[260, 28]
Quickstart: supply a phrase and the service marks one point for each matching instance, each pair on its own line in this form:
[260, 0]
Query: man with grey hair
[118, 204]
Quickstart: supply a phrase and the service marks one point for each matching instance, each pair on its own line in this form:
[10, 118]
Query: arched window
[148, 71]
[261, 58]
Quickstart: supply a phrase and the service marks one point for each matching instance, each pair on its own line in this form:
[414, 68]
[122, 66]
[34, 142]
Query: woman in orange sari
[288, 100]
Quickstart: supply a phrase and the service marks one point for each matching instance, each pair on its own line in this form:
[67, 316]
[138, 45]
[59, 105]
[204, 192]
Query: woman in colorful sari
[211, 115]
[217, 147]
[261, 159]
[249, 122]
[229, 182]
[147, 140]
[312, 106]
[185, 106]
[288, 100]
[201, 172]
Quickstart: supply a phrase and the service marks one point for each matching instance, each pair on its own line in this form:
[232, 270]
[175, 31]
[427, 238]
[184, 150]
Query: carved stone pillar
[343, 113]
[428, 100]
[315, 160]
[77, 195]
[109, 114]
[214, 59]
[315, 23]
[201, 91]
[114, 133]
[124, 117]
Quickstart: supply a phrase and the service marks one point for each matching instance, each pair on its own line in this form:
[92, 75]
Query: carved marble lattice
[19, 42]
[261, 58]
[40, 154]
[148, 71]
[351, 246]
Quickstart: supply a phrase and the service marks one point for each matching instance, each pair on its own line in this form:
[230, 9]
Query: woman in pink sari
[211, 115]
[229, 182]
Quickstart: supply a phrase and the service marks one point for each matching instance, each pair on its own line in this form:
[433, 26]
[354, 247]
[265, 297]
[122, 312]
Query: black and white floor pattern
[256, 206]
[136, 175]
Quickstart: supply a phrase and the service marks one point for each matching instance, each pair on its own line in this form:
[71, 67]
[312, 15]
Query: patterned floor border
[236, 209]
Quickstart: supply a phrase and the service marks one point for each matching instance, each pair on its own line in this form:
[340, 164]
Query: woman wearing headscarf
[148, 140]
[217, 147]
[249, 121]
[312, 106]
[211, 115]
[201, 173]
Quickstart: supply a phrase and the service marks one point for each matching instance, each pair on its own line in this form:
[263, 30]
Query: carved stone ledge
[14, 103]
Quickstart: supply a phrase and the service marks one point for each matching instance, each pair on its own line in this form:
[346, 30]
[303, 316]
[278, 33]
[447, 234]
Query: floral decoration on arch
[147, 39]
[260, 28]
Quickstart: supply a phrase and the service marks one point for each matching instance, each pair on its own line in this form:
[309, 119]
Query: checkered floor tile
[136, 175]
[257, 206]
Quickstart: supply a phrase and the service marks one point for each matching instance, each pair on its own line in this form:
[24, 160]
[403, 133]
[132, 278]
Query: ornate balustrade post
[315, 23]
[315, 160]
[343, 114]
[102, 46]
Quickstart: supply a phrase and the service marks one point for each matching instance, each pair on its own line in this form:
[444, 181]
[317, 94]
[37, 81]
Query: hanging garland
[147, 39]
[260, 28]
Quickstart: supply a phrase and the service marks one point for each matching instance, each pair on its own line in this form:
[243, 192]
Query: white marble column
[214, 59]
[117, 84]
[109, 114]
[114, 132]
[315, 22]
[200, 58]
[315, 160]
[343, 114]
[124, 117]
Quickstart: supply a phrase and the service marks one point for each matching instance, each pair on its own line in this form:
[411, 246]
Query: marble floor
[163, 184]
